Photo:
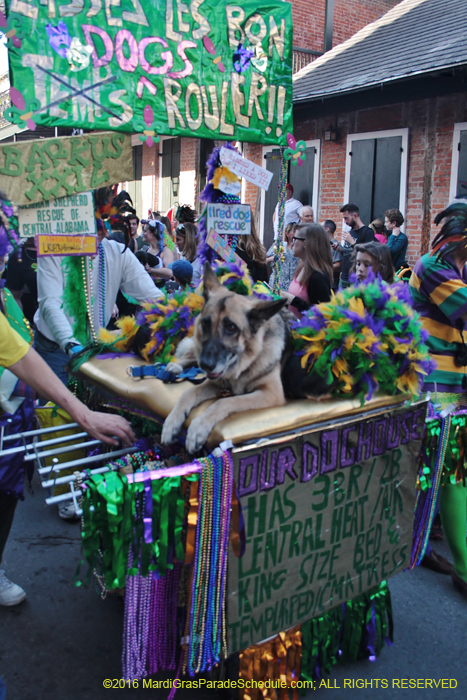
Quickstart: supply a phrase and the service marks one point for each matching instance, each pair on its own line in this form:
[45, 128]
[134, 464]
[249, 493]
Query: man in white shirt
[113, 269]
[292, 207]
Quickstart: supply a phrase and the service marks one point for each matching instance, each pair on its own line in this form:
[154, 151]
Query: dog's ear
[210, 281]
[263, 311]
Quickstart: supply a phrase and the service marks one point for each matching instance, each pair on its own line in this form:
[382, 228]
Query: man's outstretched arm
[32, 370]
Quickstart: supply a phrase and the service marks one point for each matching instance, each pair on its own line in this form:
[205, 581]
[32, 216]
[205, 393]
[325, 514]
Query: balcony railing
[302, 57]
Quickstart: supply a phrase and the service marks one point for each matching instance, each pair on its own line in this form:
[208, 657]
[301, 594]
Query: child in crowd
[380, 234]
[375, 256]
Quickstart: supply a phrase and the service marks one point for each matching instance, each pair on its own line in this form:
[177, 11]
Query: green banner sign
[328, 515]
[204, 68]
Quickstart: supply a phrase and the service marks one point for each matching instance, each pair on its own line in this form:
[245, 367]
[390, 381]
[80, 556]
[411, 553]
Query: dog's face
[229, 331]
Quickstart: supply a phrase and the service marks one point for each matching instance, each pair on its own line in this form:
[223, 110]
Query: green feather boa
[74, 298]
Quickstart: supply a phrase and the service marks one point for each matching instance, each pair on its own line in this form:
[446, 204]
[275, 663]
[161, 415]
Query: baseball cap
[181, 268]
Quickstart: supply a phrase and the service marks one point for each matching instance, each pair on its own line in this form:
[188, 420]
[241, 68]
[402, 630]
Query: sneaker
[67, 511]
[10, 593]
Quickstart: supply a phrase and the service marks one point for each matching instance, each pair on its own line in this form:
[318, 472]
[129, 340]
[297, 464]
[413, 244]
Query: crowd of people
[315, 263]
[138, 259]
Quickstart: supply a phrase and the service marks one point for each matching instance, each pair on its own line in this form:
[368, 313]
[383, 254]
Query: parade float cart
[317, 499]
[277, 543]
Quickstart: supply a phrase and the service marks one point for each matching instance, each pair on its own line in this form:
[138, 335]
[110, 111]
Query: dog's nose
[209, 356]
[207, 364]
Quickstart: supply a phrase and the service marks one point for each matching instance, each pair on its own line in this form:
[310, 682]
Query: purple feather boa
[209, 195]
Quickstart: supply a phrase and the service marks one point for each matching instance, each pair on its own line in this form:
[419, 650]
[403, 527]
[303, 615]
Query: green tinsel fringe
[74, 298]
[112, 524]
[342, 634]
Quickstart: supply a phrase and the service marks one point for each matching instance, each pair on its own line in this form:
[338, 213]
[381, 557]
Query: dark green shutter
[375, 176]
[273, 164]
[387, 178]
[134, 187]
[170, 173]
[361, 177]
[301, 178]
[461, 190]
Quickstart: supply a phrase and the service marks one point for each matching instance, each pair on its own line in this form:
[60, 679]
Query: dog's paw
[197, 434]
[174, 367]
[171, 429]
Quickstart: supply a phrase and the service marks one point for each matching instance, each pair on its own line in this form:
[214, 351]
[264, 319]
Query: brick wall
[431, 125]
[252, 196]
[349, 17]
[308, 18]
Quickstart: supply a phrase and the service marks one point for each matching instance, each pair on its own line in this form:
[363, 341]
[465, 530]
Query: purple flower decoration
[241, 58]
[59, 37]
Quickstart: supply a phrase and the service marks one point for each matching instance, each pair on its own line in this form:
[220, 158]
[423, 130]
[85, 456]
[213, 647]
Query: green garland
[112, 522]
[356, 630]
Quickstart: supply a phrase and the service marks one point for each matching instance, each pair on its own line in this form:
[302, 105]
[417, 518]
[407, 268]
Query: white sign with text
[73, 214]
[231, 219]
[245, 168]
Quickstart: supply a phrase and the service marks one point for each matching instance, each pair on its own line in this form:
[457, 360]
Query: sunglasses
[296, 238]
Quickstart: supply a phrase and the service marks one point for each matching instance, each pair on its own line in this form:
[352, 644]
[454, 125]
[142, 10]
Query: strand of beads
[102, 322]
[163, 622]
[88, 295]
[207, 629]
[279, 250]
[136, 623]
[427, 496]
[232, 242]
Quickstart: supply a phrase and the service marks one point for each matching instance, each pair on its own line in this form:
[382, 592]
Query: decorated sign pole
[279, 246]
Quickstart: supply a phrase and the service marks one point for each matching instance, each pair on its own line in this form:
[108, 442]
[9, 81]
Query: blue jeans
[53, 355]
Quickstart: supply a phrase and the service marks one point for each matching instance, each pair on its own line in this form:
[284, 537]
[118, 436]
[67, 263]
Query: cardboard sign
[154, 67]
[48, 245]
[68, 215]
[37, 171]
[245, 168]
[222, 248]
[232, 219]
[328, 515]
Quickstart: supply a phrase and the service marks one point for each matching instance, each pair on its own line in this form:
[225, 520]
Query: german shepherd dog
[239, 342]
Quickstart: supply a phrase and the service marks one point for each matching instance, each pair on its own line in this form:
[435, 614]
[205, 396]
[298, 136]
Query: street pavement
[63, 641]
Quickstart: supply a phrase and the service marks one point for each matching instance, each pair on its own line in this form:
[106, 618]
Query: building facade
[173, 171]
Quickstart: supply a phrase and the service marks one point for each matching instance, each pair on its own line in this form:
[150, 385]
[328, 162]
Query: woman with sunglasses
[155, 244]
[313, 278]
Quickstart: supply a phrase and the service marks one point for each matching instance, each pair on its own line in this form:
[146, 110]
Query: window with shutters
[459, 161]
[170, 173]
[134, 187]
[376, 172]
[304, 180]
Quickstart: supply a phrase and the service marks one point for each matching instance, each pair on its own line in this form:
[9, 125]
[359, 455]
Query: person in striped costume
[438, 287]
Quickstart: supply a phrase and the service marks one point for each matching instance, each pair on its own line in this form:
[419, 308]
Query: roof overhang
[416, 86]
